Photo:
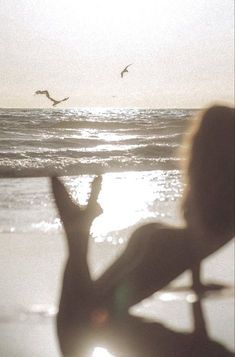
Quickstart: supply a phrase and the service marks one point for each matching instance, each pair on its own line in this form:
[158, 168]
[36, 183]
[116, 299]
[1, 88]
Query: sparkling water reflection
[129, 198]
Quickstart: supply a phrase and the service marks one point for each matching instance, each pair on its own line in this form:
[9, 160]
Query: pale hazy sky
[182, 52]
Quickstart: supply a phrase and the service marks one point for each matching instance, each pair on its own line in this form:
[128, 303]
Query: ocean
[89, 141]
[138, 153]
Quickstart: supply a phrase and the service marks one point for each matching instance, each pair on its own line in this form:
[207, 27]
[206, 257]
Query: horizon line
[102, 107]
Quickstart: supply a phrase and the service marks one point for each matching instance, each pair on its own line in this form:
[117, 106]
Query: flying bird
[55, 102]
[125, 70]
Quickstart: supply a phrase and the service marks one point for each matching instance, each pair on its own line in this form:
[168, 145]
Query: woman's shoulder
[160, 234]
[161, 244]
[158, 228]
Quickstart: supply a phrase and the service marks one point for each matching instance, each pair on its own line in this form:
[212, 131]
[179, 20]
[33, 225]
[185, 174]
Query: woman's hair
[210, 170]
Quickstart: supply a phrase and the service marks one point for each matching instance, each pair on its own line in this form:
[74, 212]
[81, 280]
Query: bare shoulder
[159, 229]
[157, 235]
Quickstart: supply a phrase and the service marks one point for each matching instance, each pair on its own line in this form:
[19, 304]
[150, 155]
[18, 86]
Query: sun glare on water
[127, 199]
[124, 199]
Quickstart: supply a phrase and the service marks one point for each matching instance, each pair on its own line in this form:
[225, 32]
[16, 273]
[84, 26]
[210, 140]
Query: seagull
[55, 102]
[125, 70]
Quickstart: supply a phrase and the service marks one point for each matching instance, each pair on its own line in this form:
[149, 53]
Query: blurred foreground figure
[95, 313]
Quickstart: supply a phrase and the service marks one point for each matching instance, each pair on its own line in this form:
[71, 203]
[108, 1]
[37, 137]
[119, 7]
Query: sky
[182, 52]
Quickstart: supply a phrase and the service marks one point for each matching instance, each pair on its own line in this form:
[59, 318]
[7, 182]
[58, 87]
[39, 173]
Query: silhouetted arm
[196, 277]
[77, 221]
[77, 292]
[77, 282]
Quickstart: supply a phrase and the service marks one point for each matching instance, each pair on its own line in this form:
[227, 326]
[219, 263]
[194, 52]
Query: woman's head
[210, 171]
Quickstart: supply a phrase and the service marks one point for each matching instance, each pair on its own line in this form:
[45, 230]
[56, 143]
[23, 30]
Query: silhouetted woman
[156, 253]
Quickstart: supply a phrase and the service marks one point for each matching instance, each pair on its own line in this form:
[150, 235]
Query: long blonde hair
[210, 170]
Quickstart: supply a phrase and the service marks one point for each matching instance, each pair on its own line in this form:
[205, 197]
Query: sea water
[137, 152]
